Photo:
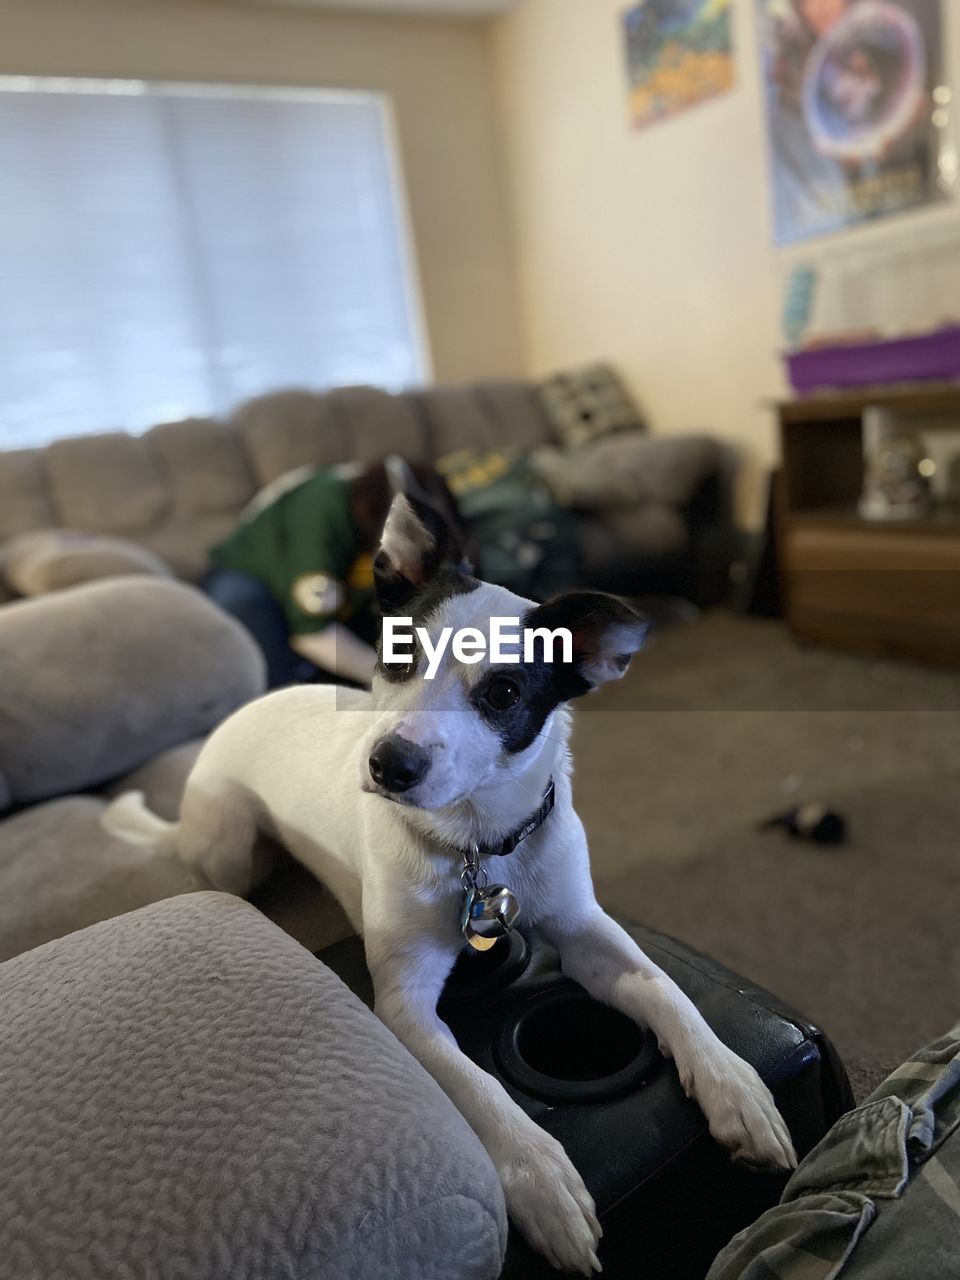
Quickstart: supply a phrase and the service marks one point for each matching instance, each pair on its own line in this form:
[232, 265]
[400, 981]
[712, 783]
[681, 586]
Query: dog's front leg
[739, 1108]
[545, 1195]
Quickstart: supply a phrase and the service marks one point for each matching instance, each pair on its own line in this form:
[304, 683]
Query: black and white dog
[380, 794]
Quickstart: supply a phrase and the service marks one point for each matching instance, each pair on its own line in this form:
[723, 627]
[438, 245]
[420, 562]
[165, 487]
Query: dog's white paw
[547, 1200]
[739, 1108]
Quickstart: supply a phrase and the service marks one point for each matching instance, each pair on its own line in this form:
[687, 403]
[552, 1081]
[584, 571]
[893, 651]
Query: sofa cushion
[105, 483]
[649, 528]
[189, 1093]
[206, 468]
[457, 418]
[516, 406]
[51, 559]
[625, 469]
[617, 541]
[60, 871]
[184, 544]
[374, 424]
[24, 501]
[98, 678]
[289, 429]
[291, 897]
[162, 779]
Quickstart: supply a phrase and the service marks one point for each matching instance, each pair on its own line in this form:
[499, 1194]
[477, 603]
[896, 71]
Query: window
[167, 250]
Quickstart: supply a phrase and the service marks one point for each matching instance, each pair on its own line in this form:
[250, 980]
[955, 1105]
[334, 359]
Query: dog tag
[487, 915]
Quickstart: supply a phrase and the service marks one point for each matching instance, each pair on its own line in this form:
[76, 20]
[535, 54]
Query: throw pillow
[587, 403]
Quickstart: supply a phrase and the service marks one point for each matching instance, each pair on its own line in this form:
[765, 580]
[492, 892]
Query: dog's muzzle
[397, 764]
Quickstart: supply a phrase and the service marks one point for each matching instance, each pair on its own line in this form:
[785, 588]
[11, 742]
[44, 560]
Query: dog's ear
[417, 544]
[606, 633]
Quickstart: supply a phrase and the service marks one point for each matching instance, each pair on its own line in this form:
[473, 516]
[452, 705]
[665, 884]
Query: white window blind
[167, 250]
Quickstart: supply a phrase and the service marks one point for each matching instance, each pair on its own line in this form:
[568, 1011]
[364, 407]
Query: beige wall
[437, 73]
[650, 247]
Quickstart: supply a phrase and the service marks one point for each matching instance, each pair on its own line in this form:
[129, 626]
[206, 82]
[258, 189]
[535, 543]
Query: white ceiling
[443, 8]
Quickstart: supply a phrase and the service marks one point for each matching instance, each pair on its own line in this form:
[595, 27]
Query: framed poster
[856, 110]
[678, 53]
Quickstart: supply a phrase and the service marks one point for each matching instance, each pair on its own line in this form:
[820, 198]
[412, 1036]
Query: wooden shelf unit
[889, 588]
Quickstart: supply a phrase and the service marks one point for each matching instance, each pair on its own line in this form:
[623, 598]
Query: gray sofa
[100, 680]
[179, 488]
[187, 1092]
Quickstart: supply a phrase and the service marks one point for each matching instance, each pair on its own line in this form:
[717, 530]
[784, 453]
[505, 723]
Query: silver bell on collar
[489, 912]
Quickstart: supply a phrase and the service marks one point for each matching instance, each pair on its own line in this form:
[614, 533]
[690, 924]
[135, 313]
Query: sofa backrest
[180, 486]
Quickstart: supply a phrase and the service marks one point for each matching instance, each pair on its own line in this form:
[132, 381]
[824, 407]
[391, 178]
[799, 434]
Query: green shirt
[302, 547]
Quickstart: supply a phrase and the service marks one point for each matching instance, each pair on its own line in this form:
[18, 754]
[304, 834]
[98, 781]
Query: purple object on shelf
[931, 356]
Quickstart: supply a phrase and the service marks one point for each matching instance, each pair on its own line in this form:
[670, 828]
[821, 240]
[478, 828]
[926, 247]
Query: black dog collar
[535, 821]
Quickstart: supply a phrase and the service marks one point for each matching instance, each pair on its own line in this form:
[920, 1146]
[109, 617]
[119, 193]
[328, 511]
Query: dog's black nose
[396, 764]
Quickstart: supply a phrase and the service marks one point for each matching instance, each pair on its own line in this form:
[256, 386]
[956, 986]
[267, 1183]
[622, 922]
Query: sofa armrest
[715, 537]
[188, 1092]
[714, 501]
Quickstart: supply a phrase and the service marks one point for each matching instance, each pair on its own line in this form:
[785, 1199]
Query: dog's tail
[129, 818]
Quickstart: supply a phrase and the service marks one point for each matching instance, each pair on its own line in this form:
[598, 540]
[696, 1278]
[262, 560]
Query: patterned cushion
[587, 403]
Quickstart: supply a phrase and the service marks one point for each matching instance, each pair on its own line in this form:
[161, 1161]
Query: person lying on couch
[298, 570]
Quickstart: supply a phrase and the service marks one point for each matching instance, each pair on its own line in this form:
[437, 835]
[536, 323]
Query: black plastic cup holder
[561, 1045]
[480, 973]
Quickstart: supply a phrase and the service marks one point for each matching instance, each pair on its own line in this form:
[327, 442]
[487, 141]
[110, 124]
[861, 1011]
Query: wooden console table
[887, 588]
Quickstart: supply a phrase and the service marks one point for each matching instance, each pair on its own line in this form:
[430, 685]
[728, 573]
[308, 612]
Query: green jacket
[302, 546]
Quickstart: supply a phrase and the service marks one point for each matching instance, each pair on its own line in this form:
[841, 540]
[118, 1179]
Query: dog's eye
[398, 671]
[502, 694]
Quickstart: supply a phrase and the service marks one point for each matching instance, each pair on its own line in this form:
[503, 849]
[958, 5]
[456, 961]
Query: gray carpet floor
[725, 721]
